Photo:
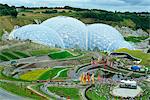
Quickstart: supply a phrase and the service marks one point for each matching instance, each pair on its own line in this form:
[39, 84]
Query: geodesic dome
[38, 34]
[72, 31]
[105, 37]
[119, 44]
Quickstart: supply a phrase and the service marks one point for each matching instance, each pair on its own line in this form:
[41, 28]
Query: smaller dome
[105, 37]
[38, 34]
[119, 44]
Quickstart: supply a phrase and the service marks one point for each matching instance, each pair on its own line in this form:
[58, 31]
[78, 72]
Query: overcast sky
[118, 5]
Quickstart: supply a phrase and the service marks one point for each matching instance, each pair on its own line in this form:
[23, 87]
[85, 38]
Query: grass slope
[73, 93]
[22, 54]
[19, 90]
[60, 55]
[43, 51]
[33, 75]
[49, 74]
[139, 54]
[3, 58]
[10, 55]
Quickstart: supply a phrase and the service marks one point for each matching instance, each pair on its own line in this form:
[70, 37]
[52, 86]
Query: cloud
[119, 5]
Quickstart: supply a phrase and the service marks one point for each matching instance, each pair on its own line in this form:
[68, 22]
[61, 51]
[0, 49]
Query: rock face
[5, 36]
[126, 31]
[144, 45]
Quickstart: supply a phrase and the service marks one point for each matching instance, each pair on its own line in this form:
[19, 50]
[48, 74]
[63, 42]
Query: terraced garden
[11, 55]
[99, 92]
[139, 54]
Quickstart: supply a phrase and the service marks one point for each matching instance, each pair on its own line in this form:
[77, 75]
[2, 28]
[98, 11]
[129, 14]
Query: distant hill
[28, 15]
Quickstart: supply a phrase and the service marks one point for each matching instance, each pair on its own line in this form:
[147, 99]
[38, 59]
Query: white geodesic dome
[105, 37]
[38, 34]
[72, 31]
[119, 44]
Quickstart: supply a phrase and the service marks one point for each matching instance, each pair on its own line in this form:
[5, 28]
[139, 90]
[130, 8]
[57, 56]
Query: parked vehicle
[128, 84]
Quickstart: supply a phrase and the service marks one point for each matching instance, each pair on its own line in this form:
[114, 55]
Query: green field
[139, 54]
[60, 55]
[49, 74]
[43, 51]
[19, 89]
[33, 75]
[73, 93]
[3, 58]
[10, 55]
[22, 54]
[63, 74]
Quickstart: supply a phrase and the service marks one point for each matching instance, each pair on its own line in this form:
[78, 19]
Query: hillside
[29, 15]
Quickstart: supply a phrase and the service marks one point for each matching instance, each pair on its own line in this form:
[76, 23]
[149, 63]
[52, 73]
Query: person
[88, 77]
[81, 78]
[93, 81]
[99, 77]
[84, 79]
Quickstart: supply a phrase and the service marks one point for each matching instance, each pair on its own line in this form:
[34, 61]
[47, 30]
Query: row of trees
[7, 10]
[141, 19]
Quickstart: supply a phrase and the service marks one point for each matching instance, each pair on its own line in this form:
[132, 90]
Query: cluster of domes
[68, 32]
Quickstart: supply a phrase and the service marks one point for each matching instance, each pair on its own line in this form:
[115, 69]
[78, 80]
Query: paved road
[4, 95]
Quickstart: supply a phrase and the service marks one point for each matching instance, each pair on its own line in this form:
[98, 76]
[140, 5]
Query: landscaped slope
[139, 54]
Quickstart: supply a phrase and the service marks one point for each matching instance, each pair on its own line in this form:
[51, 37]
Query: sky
[111, 5]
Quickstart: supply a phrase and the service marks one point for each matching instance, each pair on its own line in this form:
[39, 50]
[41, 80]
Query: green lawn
[73, 93]
[64, 73]
[43, 51]
[22, 54]
[33, 75]
[3, 58]
[49, 74]
[19, 89]
[139, 54]
[10, 55]
[60, 55]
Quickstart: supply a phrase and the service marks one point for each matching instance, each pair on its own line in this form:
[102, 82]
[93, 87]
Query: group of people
[86, 78]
